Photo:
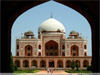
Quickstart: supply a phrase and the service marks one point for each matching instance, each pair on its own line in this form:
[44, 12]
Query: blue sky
[32, 18]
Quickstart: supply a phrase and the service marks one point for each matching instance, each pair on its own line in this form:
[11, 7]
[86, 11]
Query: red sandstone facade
[51, 49]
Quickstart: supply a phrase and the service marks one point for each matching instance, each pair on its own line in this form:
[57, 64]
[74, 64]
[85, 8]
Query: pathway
[44, 72]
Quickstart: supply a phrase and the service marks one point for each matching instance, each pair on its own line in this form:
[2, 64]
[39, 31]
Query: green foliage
[73, 64]
[11, 64]
[26, 71]
[89, 68]
[79, 71]
[15, 68]
[77, 66]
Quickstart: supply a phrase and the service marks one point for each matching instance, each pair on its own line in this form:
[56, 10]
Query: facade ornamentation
[51, 48]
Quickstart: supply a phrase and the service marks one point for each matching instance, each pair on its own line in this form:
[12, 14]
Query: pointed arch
[39, 54]
[26, 63]
[34, 64]
[51, 63]
[77, 62]
[68, 63]
[85, 63]
[63, 46]
[85, 54]
[74, 50]
[51, 48]
[63, 53]
[17, 63]
[28, 50]
[60, 64]
[42, 64]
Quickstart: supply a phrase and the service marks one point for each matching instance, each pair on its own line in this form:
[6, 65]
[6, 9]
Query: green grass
[26, 71]
[80, 71]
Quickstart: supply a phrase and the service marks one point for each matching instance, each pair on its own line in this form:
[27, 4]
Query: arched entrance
[51, 48]
[77, 62]
[85, 63]
[34, 64]
[74, 50]
[25, 63]
[68, 63]
[51, 63]
[60, 64]
[17, 63]
[28, 50]
[42, 64]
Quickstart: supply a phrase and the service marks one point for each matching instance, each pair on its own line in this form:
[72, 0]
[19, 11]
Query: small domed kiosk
[29, 34]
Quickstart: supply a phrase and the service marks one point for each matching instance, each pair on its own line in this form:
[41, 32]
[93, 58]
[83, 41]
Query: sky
[32, 18]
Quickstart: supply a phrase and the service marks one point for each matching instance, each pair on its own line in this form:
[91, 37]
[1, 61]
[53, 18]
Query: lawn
[80, 71]
[26, 71]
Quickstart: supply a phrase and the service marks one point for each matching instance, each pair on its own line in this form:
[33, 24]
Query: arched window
[17, 46]
[63, 46]
[39, 46]
[28, 50]
[63, 54]
[85, 54]
[39, 54]
[74, 54]
[17, 53]
[29, 54]
[85, 47]
[74, 50]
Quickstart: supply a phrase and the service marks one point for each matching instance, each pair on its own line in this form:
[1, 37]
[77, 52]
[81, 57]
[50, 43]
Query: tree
[89, 68]
[77, 66]
[11, 64]
[73, 64]
[15, 68]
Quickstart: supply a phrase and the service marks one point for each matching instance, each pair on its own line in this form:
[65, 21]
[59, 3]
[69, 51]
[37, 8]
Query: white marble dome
[51, 25]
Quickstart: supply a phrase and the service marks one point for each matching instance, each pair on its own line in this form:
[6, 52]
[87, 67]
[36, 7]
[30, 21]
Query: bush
[15, 68]
[89, 68]
[11, 64]
[73, 64]
[77, 66]
[26, 71]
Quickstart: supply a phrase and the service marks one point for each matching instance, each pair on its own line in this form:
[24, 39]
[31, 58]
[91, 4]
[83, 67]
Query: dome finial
[51, 15]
